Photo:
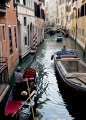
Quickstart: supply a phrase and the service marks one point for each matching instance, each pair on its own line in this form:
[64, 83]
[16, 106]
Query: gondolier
[18, 80]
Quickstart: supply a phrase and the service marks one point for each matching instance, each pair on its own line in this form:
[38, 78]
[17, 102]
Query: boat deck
[74, 70]
[78, 78]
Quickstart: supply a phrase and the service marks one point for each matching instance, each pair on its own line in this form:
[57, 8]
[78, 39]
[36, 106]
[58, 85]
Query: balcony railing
[4, 78]
[2, 5]
[3, 70]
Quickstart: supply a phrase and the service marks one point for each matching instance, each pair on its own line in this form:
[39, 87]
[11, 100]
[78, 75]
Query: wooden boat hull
[77, 86]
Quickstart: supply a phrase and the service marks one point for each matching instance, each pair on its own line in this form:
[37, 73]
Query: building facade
[39, 20]
[26, 24]
[8, 44]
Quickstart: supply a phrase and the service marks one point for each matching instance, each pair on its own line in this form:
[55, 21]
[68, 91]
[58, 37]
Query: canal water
[55, 102]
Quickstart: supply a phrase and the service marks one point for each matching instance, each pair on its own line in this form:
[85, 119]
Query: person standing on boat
[64, 48]
[18, 80]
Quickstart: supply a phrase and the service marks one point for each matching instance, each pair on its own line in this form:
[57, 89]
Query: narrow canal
[54, 101]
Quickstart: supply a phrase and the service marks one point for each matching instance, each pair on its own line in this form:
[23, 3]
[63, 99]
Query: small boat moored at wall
[71, 71]
[22, 106]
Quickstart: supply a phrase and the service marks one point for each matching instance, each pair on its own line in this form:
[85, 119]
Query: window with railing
[4, 77]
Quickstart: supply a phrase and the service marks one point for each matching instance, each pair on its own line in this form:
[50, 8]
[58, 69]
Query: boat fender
[52, 57]
[58, 57]
[75, 56]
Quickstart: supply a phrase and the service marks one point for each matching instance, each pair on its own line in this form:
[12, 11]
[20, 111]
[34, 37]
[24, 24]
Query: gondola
[22, 107]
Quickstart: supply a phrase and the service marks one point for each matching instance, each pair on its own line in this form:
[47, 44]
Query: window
[3, 29]
[25, 40]
[24, 2]
[82, 32]
[18, 1]
[10, 40]
[15, 37]
[24, 21]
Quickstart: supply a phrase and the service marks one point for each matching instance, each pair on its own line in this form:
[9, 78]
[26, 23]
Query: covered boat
[59, 38]
[64, 53]
[22, 107]
[71, 70]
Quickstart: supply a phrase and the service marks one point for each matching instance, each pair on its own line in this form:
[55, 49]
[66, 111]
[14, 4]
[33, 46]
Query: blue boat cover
[65, 52]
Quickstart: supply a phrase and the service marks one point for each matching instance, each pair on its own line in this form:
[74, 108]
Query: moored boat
[59, 38]
[22, 106]
[64, 53]
[71, 71]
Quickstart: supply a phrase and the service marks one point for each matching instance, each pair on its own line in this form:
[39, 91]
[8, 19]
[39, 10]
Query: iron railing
[4, 77]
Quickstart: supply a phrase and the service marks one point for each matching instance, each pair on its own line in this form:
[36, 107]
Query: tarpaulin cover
[12, 106]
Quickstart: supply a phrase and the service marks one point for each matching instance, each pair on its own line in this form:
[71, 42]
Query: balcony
[4, 78]
[2, 6]
[3, 70]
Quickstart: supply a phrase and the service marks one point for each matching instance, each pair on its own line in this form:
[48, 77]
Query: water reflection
[54, 101]
[51, 105]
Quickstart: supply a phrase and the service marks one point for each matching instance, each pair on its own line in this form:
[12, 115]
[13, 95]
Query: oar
[25, 101]
[30, 101]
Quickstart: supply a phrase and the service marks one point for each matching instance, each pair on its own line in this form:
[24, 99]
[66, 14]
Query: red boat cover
[67, 56]
[12, 106]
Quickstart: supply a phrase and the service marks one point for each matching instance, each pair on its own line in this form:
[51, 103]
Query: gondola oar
[30, 101]
[33, 92]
